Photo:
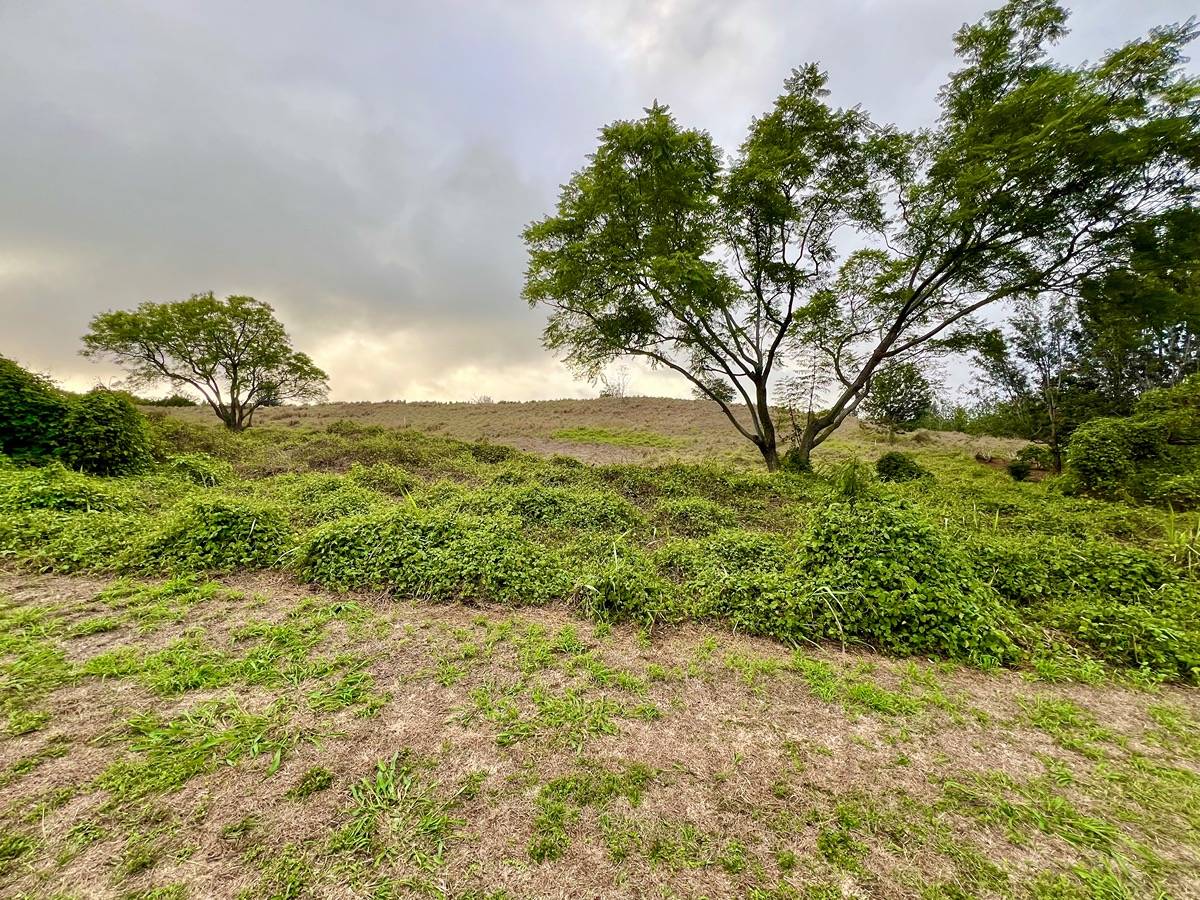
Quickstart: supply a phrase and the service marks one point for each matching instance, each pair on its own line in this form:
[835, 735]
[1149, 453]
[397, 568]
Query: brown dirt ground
[763, 761]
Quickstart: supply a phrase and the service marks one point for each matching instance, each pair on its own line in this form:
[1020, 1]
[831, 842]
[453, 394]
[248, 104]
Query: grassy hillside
[353, 661]
[607, 430]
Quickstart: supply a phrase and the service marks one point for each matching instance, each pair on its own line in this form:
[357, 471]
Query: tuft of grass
[313, 781]
[166, 753]
[559, 803]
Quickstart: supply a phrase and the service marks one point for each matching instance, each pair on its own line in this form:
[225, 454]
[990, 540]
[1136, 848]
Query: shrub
[1105, 456]
[1019, 469]
[622, 585]
[32, 411]
[199, 468]
[897, 466]
[313, 498]
[1037, 456]
[878, 573]
[48, 540]
[217, 534]
[694, 515]
[104, 434]
[1121, 602]
[1163, 641]
[58, 488]
[432, 554]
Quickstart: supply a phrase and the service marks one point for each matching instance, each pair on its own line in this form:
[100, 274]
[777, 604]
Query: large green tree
[725, 273]
[1139, 324]
[234, 352]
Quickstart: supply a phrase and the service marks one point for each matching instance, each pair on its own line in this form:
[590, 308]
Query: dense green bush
[216, 534]
[313, 498]
[433, 554]
[1124, 604]
[622, 585]
[879, 573]
[32, 411]
[555, 507]
[1132, 457]
[48, 540]
[383, 477]
[104, 434]
[897, 466]
[55, 487]
[1037, 456]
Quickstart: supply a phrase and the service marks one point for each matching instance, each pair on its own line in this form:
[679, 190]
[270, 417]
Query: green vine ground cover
[224, 676]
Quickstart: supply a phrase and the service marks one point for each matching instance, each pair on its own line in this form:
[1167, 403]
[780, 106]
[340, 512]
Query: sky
[367, 167]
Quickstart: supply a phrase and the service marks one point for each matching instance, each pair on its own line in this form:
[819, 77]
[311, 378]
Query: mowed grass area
[363, 662]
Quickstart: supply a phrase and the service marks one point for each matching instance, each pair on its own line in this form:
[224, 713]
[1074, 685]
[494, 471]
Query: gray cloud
[368, 167]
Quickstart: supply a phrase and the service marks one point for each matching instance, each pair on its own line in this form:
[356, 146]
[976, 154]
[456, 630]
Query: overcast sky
[367, 167]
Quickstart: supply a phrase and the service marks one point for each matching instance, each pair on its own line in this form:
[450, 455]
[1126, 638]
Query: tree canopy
[234, 352]
[1029, 183]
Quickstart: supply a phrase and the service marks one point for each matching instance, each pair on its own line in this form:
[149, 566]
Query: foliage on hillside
[1152, 455]
[965, 565]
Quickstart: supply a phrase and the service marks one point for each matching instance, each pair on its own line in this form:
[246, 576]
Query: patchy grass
[615, 437]
[345, 759]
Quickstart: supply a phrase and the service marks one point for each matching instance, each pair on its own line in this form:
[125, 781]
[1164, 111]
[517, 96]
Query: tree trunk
[770, 454]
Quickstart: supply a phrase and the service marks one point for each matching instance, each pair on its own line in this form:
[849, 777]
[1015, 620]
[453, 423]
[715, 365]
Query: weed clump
[217, 534]
[879, 573]
[433, 554]
[897, 466]
[199, 468]
[556, 507]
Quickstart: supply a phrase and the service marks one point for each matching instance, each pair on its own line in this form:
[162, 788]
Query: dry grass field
[608, 430]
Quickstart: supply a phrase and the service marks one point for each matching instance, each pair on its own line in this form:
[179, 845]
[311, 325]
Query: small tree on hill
[234, 352]
[899, 397]
[1033, 170]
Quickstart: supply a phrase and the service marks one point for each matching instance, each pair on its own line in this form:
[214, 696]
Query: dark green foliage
[1019, 469]
[879, 573]
[174, 400]
[897, 466]
[432, 554]
[622, 585]
[1121, 603]
[1038, 456]
[104, 434]
[58, 488]
[32, 411]
[1142, 456]
[384, 477]
[217, 534]
[555, 507]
